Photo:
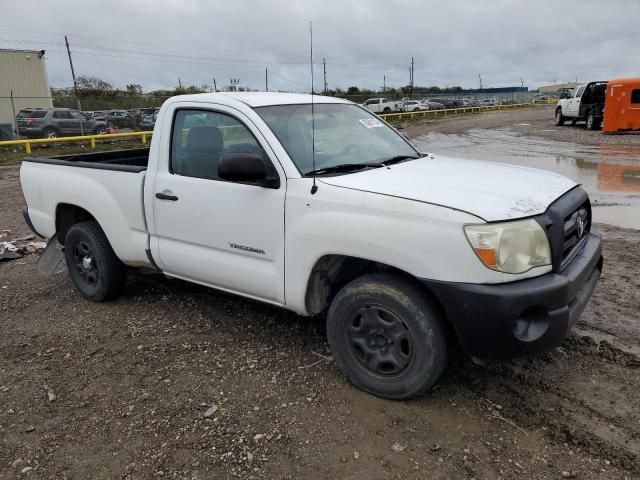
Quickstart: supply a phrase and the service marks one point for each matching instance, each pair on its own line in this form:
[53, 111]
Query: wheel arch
[331, 272]
[67, 215]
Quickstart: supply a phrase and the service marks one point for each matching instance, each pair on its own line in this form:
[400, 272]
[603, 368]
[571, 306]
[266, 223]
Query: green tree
[93, 83]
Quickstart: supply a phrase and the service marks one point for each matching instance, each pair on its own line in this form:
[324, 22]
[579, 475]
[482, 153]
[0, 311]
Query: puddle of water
[609, 173]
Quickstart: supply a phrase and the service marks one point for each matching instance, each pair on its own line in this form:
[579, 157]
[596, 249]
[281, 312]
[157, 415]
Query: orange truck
[622, 105]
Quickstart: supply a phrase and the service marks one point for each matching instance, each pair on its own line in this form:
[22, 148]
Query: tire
[592, 123]
[387, 110]
[100, 130]
[386, 336]
[50, 132]
[95, 270]
[559, 117]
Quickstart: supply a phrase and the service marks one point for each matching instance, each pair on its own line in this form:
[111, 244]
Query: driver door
[574, 102]
[224, 234]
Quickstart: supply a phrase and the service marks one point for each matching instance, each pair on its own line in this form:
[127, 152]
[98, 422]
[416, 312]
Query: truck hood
[489, 190]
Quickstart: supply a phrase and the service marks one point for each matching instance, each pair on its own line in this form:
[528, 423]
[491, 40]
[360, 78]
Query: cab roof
[261, 99]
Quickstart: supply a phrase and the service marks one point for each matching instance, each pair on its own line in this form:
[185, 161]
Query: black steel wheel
[380, 340]
[94, 268]
[559, 118]
[86, 263]
[387, 336]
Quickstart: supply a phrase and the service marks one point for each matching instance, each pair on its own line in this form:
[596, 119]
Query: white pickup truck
[585, 102]
[404, 252]
[383, 105]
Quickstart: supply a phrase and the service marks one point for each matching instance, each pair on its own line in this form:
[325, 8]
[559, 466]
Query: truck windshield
[344, 134]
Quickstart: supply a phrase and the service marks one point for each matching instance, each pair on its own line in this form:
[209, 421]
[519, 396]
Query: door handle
[166, 196]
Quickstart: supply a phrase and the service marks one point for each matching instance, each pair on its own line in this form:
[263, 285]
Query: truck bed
[130, 160]
[107, 185]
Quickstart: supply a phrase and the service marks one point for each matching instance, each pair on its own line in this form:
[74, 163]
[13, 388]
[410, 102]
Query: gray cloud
[156, 42]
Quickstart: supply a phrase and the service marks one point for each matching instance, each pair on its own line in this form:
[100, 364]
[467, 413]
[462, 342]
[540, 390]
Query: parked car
[57, 122]
[431, 105]
[413, 106]
[585, 102]
[487, 102]
[403, 251]
[119, 119]
[382, 105]
[98, 115]
[148, 121]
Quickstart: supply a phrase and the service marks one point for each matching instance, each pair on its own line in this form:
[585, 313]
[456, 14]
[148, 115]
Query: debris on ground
[19, 247]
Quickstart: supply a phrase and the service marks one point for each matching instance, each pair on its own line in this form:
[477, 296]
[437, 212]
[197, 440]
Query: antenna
[314, 188]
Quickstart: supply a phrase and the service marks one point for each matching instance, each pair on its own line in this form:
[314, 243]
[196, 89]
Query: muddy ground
[132, 380]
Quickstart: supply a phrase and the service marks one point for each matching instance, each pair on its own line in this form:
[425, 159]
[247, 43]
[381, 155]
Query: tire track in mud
[573, 394]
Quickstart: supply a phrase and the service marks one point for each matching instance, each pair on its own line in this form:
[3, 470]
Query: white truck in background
[404, 252]
[383, 105]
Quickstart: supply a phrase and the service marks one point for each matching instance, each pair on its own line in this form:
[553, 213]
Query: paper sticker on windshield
[371, 122]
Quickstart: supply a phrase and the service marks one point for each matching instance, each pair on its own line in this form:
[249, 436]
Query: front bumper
[526, 317]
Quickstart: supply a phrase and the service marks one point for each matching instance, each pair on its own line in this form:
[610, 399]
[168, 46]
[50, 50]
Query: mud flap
[51, 257]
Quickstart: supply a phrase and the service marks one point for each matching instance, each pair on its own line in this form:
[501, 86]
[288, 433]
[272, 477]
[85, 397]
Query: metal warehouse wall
[25, 73]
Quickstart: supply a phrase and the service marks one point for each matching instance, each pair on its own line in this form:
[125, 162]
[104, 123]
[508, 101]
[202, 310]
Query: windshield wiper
[398, 159]
[343, 167]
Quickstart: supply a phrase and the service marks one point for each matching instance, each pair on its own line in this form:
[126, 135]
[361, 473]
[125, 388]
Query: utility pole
[266, 80]
[73, 74]
[215, 87]
[179, 84]
[324, 70]
[480, 77]
[411, 75]
[384, 83]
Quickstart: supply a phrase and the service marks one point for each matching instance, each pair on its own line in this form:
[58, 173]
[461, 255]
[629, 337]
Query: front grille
[567, 221]
[576, 226]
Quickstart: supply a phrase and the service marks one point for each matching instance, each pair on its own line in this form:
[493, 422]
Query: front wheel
[559, 117]
[386, 336]
[102, 130]
[95, 270]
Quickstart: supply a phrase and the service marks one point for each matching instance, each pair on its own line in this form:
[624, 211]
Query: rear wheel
[386, 336]
[559, 117]
[102, 130]
[592, 123]
[387, 110]
[93, 267]
[50, 133]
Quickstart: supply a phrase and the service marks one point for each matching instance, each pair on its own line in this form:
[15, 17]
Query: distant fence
[451, 111]
[144, 136]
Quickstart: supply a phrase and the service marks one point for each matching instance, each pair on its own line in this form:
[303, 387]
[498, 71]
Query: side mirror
[246, 168]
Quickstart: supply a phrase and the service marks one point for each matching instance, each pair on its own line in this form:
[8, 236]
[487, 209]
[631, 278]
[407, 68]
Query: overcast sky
[154, 43]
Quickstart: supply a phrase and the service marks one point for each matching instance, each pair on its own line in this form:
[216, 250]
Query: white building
[24, 73]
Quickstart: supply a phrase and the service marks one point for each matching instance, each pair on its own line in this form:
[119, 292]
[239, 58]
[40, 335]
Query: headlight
[510, 247]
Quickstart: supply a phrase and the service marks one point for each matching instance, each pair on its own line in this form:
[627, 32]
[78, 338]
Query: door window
[579, 92]
[200, 137]
[62, 114]
[635, 96]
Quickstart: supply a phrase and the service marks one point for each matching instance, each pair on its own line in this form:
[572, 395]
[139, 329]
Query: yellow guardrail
[452, 111]
[91, 138]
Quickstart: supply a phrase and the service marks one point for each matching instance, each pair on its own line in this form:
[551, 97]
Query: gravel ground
[178, 381]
